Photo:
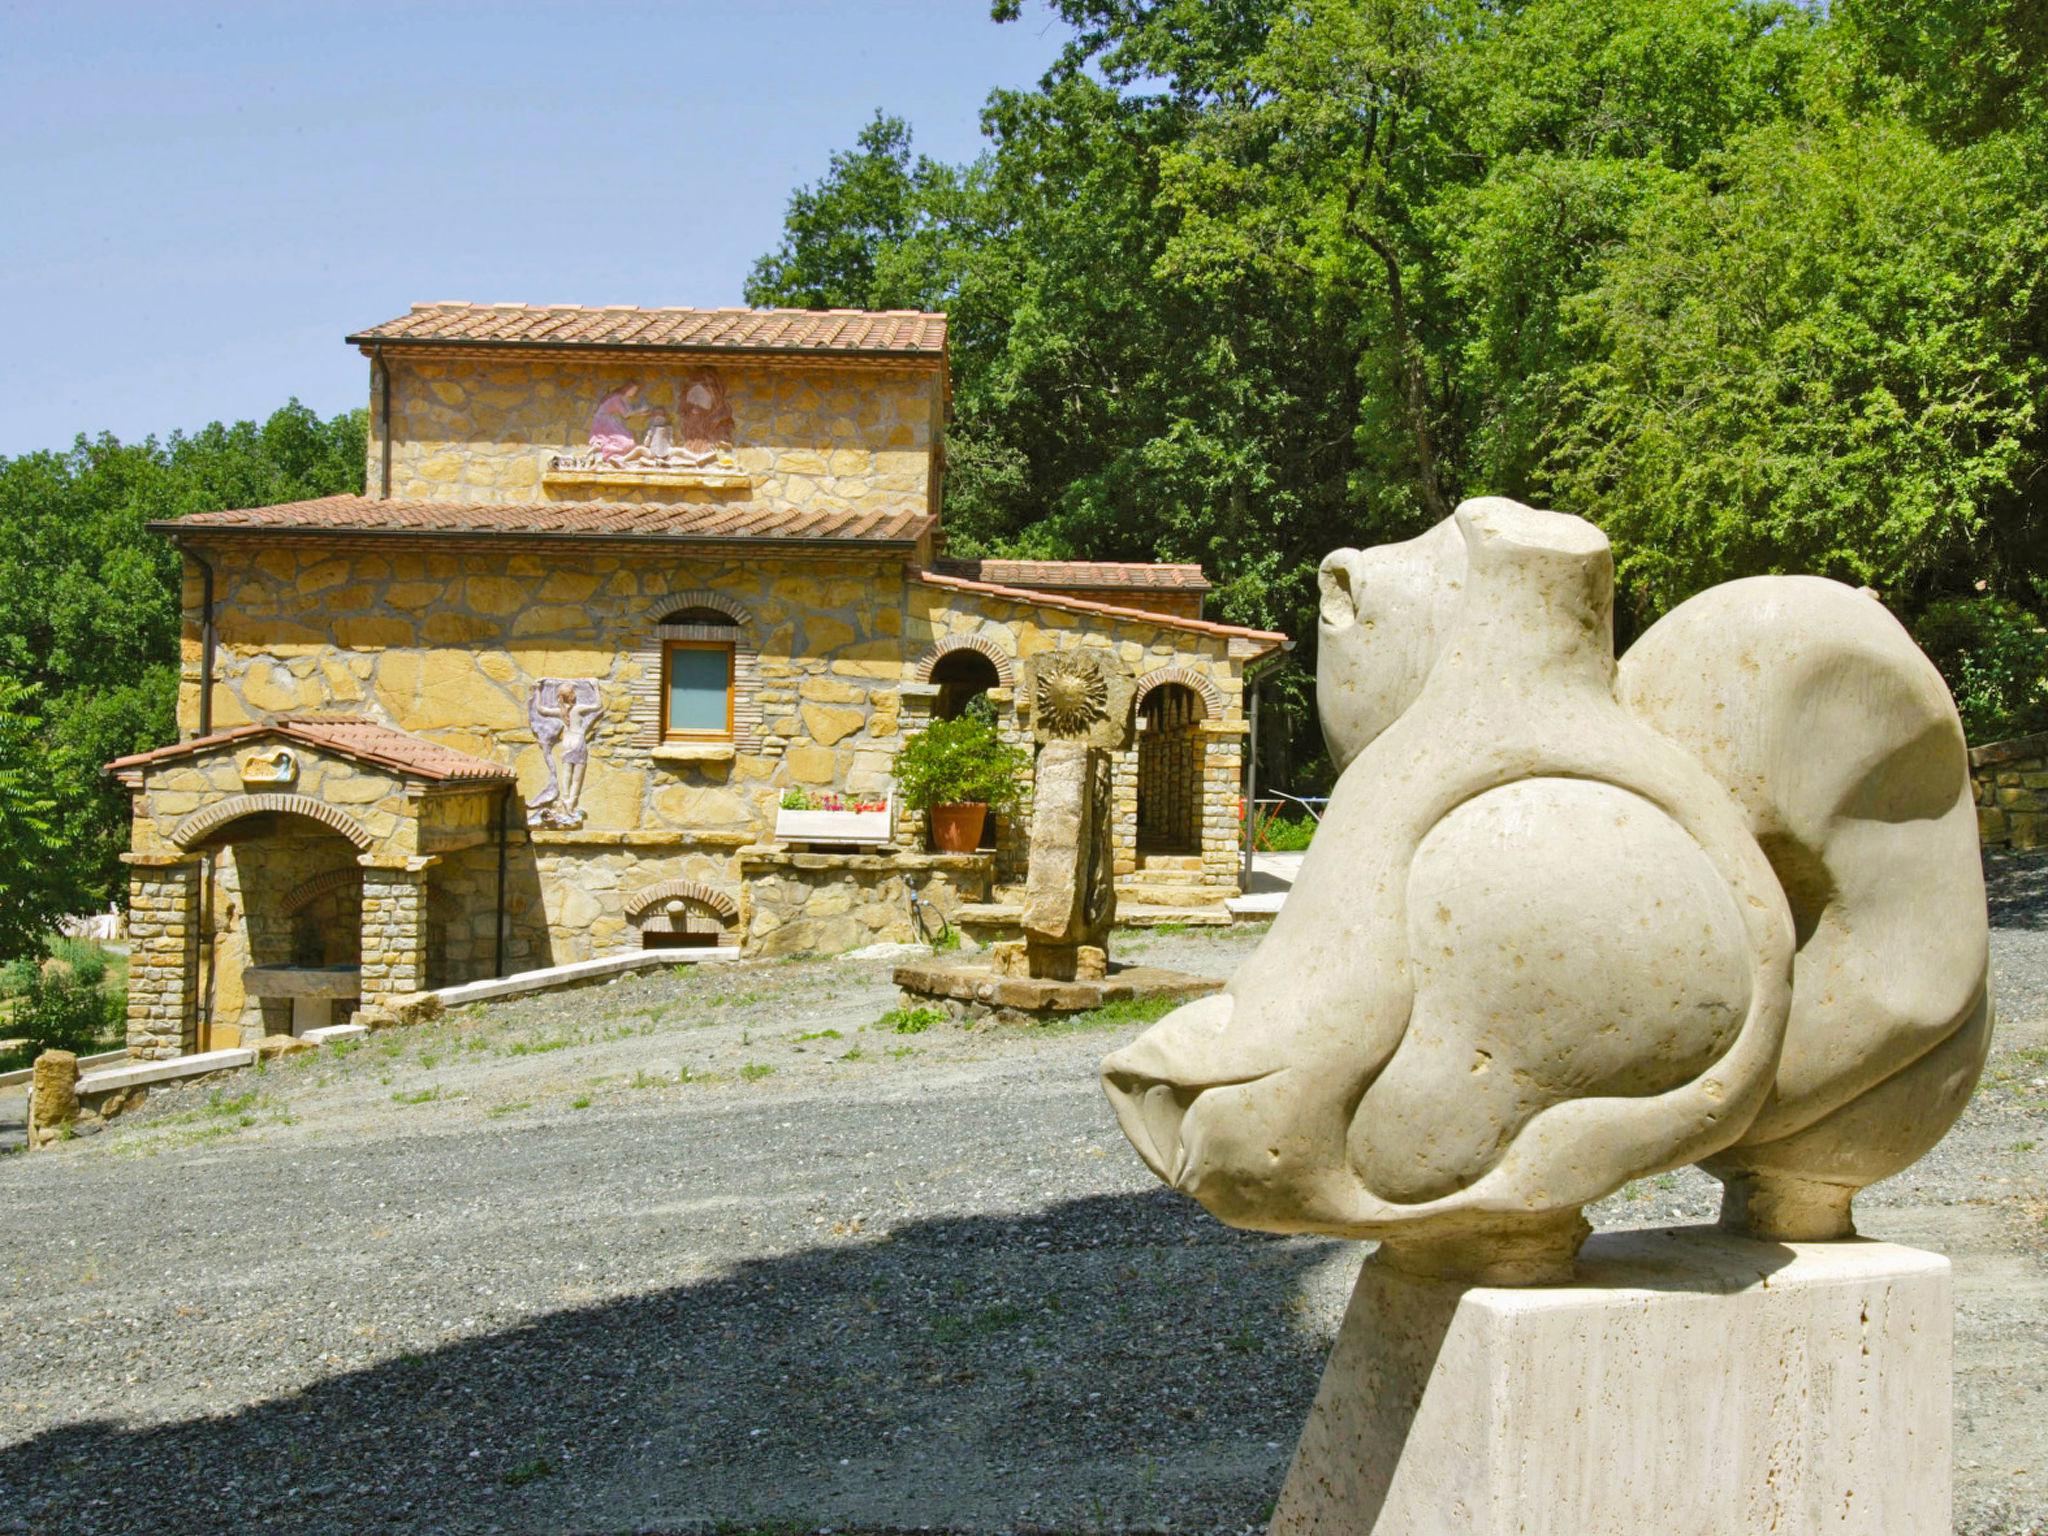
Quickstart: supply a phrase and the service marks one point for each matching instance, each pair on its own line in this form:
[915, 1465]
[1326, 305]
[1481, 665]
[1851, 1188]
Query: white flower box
[842, 828]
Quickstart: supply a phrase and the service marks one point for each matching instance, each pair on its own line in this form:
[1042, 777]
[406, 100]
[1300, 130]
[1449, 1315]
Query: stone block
[829, 724]
[1687, 1380]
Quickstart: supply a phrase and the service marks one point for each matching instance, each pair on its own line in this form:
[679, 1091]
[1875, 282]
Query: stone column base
[1690, 1382]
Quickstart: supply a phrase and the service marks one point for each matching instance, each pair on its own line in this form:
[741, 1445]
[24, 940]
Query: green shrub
[910, 1021]
[960, 762]
[1283, 836]
[1994, 655]
[60, 1010]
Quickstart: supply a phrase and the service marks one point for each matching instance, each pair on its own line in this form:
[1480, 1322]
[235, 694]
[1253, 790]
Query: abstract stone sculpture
[1567, 923]
[1081, 711]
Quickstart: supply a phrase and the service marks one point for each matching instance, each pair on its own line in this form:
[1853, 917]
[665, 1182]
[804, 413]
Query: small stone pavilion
[623, 579]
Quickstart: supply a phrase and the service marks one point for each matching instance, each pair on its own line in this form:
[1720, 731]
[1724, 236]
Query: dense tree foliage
[1757, 286]
[89, 630]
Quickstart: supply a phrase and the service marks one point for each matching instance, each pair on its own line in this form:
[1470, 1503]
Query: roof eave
[367, 341]
[177, 530]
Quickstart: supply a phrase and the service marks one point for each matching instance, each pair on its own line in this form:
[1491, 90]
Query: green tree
[90, 613]
[31, 894]
[1755, 284]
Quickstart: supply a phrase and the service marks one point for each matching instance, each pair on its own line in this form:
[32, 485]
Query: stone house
[622, 579]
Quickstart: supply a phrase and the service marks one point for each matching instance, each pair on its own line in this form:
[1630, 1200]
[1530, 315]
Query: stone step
[1170, 893]
[1164, 861]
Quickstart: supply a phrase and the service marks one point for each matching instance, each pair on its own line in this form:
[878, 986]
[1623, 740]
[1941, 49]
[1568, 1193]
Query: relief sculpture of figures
[564, 713]
[1571, 921]
[698, 436]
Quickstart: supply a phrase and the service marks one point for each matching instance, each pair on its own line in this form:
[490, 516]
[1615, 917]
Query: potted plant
[957, 771]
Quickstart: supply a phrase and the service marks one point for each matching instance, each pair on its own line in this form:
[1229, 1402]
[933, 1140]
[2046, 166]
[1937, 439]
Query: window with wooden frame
[702, 618]
[697, 677]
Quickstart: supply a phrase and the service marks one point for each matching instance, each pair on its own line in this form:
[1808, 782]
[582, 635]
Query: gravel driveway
[719, 1250]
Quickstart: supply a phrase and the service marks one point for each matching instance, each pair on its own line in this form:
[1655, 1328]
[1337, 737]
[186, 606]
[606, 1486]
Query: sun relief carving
[1072, 695]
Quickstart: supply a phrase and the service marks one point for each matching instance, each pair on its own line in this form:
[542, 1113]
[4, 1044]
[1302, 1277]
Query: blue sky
[203, 199]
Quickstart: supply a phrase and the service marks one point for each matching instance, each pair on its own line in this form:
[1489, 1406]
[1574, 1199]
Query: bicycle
[921, 914]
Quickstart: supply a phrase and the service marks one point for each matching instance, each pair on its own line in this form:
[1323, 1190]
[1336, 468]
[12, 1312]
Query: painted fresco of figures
[564, 713]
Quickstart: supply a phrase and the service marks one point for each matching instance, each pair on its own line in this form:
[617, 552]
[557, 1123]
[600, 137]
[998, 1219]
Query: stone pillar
[394, 928]
[1013, 828]
[52, 1096]
[1220, 745]
[1686, 1379]
[915, 701]
[163, 955]
[1124, 820]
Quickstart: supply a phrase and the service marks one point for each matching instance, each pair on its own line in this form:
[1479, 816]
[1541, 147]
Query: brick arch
[644, 709]
[320, 885]
[699, 597]
[1210, 695]
[939, 649]
[235, 807]
[642, 902]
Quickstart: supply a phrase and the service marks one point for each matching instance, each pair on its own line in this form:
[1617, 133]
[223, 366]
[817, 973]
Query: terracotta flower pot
[957, 828]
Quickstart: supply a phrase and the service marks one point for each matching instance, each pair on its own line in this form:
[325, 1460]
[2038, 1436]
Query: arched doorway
[282, 891]
[962, 676]
[1170, 771]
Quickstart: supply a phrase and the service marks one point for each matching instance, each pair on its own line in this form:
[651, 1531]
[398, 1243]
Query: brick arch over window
[1210, 695]
[938, 650]
[645, 711]
[200, 823]
[642, 902]
[318, 886]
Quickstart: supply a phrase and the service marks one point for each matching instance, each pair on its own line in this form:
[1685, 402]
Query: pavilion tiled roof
[1260, 641]
[353, 736]
[879, 333]
[562, 519]
[1079, 575]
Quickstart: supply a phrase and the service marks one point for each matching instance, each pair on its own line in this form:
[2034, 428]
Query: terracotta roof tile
[1269, 639]
[1079, 575]
[352, 736]
[564, 519]
[890, 333]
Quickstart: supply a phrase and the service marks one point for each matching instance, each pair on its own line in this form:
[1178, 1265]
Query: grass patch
[1117, 1015]
[853, 1055]
[528, 1472]
[581, 1101]
[423, 1096]
[754, 1071]
[910, 1021]
[542, 1047]
[821, 1034]
[508, 1109]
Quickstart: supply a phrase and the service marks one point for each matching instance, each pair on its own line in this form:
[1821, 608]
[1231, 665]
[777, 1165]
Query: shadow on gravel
[1105, 1363]
[2016, 886]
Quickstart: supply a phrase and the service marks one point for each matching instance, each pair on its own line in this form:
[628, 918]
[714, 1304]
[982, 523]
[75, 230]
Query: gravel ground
[719, 1250]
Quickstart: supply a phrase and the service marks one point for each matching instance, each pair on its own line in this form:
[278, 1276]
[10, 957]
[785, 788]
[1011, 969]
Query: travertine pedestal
[1690, 1383]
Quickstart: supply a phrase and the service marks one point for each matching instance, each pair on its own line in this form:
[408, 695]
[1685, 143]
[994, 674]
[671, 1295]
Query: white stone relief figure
[1568, 924]
[564, 713]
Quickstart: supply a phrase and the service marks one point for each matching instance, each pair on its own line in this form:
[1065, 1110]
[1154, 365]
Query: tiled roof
[353, 736]
[1268, 639]
[1079, 575]
[561, 519]
[892, 333]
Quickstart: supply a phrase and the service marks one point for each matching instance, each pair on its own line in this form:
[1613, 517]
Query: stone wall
[851, 439]
[1015, 631]
[826, 903]
[163, 954]
[450, 643]
[2010, 779]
